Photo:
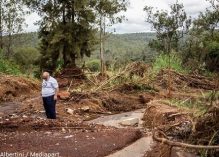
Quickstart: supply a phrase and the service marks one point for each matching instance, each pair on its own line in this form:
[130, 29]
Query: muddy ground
[24, 128]
[95, 143]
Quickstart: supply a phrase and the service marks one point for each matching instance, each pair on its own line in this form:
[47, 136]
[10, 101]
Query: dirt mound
[105, 103]
[206, 129]
[179, 81]
[118, 102]
[13, 87]
[70, 76]
[71, 72]
[170, 119]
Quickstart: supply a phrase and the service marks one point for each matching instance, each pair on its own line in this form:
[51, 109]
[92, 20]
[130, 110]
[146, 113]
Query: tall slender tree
[170, 27]
[1, 25]
[107, 11]
[11, 22]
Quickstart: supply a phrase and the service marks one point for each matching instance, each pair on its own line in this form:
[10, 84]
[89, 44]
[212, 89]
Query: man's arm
[56, 86]
[56, 93]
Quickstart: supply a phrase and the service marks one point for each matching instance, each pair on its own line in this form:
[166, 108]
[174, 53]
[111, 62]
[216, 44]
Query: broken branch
[179, 144]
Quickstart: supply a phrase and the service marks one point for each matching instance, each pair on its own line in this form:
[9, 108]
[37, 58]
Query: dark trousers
[50, 107]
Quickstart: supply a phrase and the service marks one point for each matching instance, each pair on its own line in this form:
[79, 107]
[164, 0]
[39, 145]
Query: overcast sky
[136, 16]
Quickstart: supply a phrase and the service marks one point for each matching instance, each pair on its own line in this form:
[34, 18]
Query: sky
[136, 16]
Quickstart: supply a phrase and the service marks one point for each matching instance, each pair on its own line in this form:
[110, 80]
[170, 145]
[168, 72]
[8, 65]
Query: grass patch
[162, 62]
[197, 106]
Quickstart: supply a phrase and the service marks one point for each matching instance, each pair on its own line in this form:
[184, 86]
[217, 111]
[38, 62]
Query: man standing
[50, 89]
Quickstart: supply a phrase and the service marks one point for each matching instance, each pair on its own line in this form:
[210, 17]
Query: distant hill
[117, 46]
[26, 39]
[128, 43]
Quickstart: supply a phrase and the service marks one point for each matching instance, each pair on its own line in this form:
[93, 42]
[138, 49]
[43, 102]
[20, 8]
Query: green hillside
[118, 47]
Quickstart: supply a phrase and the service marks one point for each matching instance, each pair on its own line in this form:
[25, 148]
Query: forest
[135, 94]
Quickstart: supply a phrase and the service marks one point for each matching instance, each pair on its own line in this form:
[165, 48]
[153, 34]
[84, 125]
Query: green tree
[26, 57]
[11, 22]
[209, 20]
[66, 30]
[107, 10]
[170, 27]
[69, 27]
[202, 44]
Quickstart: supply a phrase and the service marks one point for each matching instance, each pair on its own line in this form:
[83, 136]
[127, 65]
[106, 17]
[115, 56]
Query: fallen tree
[178, 144]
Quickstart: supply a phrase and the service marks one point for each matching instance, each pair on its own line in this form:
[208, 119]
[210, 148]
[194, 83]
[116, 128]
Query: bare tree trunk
[169, 64]
[101, 46]
[73, 56]
[10, 25]
[1, 27]
[9, 45]
[104, 39]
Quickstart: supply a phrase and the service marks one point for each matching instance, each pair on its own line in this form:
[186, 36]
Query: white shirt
[49, 87]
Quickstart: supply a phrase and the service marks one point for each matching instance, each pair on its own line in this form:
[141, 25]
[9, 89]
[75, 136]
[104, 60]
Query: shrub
[212, 58]
[162, 62]
[93, 65]
[26, 56]
[8, 67]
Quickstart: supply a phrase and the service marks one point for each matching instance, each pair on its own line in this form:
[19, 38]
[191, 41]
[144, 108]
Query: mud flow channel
[124, 120]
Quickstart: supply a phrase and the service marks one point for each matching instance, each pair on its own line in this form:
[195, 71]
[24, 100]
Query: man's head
[45, 75]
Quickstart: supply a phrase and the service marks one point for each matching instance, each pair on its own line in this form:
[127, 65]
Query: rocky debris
[85, 109]
[24, 116]
[69, 111]
[64, 95]
[130, 122]
[70, 136]
[48, 133]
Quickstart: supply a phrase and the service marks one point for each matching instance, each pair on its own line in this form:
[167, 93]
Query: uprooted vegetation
[191, 99]
[188, 116]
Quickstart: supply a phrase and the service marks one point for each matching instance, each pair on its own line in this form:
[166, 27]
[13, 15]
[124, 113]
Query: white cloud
[31, 20]
[136, 16]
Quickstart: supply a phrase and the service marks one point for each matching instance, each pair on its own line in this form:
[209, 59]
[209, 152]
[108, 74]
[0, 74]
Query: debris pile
[12, 87]
[70, 75]
[206, 129]
[139, 69]
[119, 102]
[169, 119]
[179, 81]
